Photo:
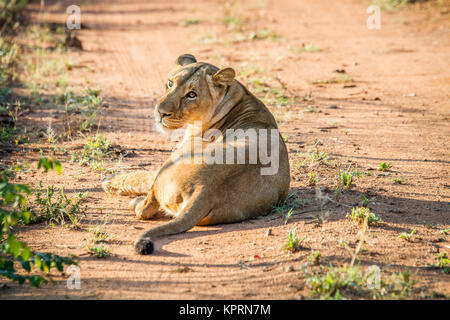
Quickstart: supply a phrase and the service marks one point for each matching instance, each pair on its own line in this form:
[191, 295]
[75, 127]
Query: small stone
[333, 106]
[289, 268]
[269, 232]
[183, 269]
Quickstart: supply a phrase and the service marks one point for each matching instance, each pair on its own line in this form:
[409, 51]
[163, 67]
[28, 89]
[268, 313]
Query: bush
[8, 55]
[13, 251]
[9, 9]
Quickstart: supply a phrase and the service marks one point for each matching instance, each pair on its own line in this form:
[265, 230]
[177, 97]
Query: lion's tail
[134, 183]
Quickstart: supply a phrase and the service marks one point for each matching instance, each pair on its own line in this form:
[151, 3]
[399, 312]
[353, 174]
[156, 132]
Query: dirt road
[365, 96]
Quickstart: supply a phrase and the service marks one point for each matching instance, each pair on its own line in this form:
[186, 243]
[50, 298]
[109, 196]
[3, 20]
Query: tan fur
[129, 183]
[204, 194]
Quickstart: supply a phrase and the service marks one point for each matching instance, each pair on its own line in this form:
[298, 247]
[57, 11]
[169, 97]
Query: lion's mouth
[169, 124]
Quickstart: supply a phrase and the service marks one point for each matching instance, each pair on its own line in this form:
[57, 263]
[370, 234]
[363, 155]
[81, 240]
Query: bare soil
[395, 109]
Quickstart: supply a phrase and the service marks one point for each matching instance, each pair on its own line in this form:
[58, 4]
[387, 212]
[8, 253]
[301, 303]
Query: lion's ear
[186, 59]
[224, 76]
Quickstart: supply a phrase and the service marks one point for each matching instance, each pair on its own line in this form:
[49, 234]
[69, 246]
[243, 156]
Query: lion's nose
[165, 114]
[168, 114]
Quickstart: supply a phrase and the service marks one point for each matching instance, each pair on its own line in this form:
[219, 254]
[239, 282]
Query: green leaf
[36, 281]
[26, 216]
[58, 166]
[45, 163]
[26, 253]
[48, 164]
[14, 246]
[25, 264]
[59, 266]
[37, 262]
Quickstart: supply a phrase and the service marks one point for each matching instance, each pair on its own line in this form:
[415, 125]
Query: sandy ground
[396, 109]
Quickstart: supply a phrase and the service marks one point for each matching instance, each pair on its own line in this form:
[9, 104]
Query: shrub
[13, 252]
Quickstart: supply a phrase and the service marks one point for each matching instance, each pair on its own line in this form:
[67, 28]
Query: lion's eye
[169, 84]
[191, 95]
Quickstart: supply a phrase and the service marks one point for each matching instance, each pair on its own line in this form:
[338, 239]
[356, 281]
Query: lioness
[206, 192]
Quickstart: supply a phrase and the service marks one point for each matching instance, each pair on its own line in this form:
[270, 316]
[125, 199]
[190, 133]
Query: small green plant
[361, 213]
[312, 178]
[311, 109]
[80, 111]
[342, 282]
[56, 207]
[189, 22]
[99, 251]
[286, 209]
[96, 241]
[315, 157]
[264, 34]
[365, 201]
[384, 166]
[407, 236]
[95, 151]
[288, 215]
[9, 52]
[430, 226]
[442, 262]
[319, 156]
[281, 210]
[445, 231]
[97, 235]
[294, 243]
[10, 132]
[314, 258]
[309, 47]
[330, 282]
[233, 22]
[400, 285]
[70, 65]
[277, 96]
[361, 242]
[270, 93]
[391, 5]
[398, 181]
[345, 179]
[62, 82]
[343, 78]
[338, 282]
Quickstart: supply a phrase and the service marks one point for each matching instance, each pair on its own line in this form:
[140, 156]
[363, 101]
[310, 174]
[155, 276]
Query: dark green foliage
[14, 252]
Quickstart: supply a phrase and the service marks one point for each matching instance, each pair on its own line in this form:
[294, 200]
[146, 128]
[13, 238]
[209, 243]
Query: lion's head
[193, 92]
